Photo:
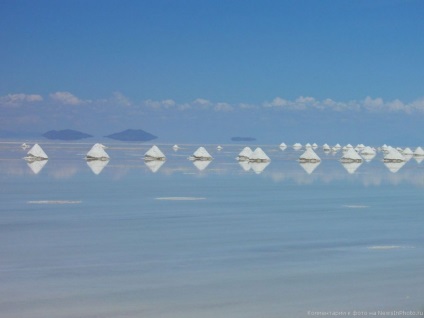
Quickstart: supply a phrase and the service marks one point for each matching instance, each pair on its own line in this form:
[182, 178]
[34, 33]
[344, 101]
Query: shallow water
[218, 242]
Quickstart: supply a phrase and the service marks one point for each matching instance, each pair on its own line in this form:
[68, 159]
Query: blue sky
[208, 70]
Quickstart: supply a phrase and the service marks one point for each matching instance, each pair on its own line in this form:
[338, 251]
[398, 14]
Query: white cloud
[166, 103]
[15, 100]
[223, 107]
[121, 99]
[65, 98]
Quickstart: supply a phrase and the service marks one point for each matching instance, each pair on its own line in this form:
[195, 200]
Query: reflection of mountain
[351, 167]
[97, 165]
[394, 166]
[309, 167]
[36, 165]
[154, 165]
[201, 164]
[132, 135]
[67, 134]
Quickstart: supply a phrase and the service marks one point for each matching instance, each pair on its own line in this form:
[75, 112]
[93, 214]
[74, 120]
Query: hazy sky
[307, 71]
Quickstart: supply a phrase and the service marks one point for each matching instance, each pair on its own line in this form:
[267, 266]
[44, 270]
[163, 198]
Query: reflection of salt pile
[259, 167]
[352, 166]
[309, 156]
[351, 156]
[36, 165]
[219, 148]
[309, 167]
[154, 165]
[245, 154]
[259, 156]
[418, 159]
[201, 154]
[283, 146]
[245, 165]
[154, 153]
[36, 153]
[97, 152]
[97, 165]
[201, 164]
[394, 166]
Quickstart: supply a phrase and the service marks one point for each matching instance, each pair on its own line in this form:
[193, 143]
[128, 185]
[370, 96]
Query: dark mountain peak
[132, 135]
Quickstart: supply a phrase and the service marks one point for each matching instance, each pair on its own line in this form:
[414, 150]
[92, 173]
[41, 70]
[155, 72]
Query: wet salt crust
[221, 240]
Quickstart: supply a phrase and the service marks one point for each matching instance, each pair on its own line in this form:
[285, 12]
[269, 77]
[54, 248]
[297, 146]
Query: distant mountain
[67, 134]
[243, 139]
[132, 135]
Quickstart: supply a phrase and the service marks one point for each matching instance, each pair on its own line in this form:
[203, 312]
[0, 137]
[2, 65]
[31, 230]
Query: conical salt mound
[201, 154]
[392, 155]
[351, 156]
[308, 145]
[326, 147]
[219, 148]
[175, 147]
[97, 152]
[337, 146]
[309, 156]
[36, 153]
[297, 146]
[245, 154]
[154, 153]
[283, 145]
[419, 152]
[368, 151]
[314, 146]
[407, 152]
[259, 156]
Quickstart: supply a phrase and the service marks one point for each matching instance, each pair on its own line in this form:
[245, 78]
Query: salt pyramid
[407, 152]
[297, 146]
[309, 156]
[36, 153]
[245, 154]
[419, 152]
[175, 147]
[337, 146]
[219, 148]
[259, 156]
[368, 151]
[392, 155]
[314, 146]
[283, 146]
[97, 152]
[351, 156]
[326, 147]
[154, 153]
[308, 145]
[25, 146]
[201, 154]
